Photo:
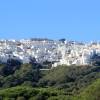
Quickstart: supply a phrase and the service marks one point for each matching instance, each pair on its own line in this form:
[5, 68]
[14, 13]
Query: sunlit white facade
[68, 53]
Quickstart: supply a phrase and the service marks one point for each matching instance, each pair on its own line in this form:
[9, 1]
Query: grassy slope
[92, 92]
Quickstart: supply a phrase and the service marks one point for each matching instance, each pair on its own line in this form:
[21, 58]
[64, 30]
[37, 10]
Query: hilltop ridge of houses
[55, 51]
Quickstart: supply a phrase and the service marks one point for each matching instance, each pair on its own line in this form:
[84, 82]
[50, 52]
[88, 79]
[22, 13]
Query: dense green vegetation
[71, 78]
[27, 82]
[29, 93]
[92, 92]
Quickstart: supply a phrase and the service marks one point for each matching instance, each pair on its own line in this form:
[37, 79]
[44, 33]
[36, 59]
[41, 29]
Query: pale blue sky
[70, 19]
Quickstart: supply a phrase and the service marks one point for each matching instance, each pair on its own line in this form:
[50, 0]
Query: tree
[62, 40]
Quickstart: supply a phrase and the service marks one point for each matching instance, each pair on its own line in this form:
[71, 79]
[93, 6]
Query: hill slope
[72, 78]
[92, 92]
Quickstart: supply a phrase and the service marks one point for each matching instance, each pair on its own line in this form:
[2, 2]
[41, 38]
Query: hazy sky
[70, 19]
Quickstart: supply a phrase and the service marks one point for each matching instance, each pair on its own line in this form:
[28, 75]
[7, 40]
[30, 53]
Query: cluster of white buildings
[68, 52]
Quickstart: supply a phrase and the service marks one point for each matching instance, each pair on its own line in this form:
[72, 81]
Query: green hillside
[92, 92]
[71, 78]
[28, 82]
[29, 93]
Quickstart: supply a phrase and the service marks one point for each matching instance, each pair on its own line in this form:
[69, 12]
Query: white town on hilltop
[56, 51]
